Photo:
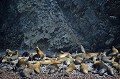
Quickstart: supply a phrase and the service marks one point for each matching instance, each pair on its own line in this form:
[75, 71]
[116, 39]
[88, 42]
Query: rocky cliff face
[59, 24]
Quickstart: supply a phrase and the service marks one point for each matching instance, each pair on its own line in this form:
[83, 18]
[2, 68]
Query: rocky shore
[6, 74]
[62, 65]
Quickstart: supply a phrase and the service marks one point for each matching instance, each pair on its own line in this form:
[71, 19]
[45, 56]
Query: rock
[25, 54]
[5, 74]
[26, 73]
[59, 24]
[1, 59]
[52, 69]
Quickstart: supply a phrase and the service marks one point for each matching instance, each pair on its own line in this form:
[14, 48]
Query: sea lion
[63, 55]
[61, 59]
[22, 61]
[87, 55]
[117, 58]
[4, 59]
[15, 55]
[69, 60]
[102, 68]
[78, 60]
[70, 68]
[114, 51]
[33, 56]
[9, 52]
[40, 53]
[82, 49]
[84, 68]
[49, 62]
[105, 58]
[116, 66]
[35, 67]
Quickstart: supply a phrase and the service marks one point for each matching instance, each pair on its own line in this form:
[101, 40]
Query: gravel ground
[6, 74]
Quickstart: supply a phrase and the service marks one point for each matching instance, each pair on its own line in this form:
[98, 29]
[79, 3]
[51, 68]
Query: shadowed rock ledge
[59, 24]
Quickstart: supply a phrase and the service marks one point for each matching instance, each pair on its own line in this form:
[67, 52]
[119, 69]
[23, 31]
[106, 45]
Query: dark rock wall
[10, 33]
[59, 24]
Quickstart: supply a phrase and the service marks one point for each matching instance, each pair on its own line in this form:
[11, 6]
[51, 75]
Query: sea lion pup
[101, 67]
[9, 52]
[40, 53]
[84, 68]
[70, 68]
[35, 67]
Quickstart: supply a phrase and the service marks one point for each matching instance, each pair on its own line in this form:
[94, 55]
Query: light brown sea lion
[78, 60]
[40, 53]
[114, 51]
[49, 62]
[35, 67]
[9, 52]
[63, 55]
[70, 68]
[22, 61]
[116, 66]
[84, 68]
[86, 54]
[69, 60]
[15, 55]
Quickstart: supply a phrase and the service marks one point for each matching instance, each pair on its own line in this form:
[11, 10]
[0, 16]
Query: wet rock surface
[59, 24]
